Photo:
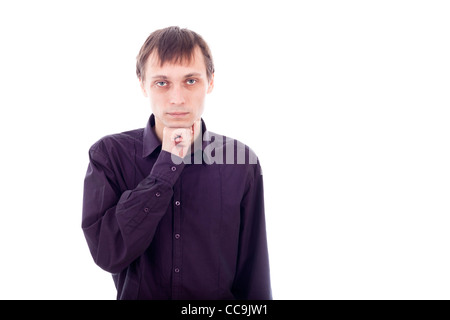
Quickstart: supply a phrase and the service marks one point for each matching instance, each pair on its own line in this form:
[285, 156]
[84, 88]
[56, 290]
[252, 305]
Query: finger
[178, 139]
[196, 126]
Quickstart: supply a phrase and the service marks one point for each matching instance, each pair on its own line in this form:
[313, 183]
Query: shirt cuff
[167, 167]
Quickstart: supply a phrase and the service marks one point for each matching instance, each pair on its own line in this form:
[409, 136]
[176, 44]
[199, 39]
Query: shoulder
[117, 142]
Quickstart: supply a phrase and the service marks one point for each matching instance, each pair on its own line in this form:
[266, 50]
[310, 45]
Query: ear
[142, 85]
[211, 84]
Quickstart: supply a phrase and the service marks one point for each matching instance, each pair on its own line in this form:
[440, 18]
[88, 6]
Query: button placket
[177, 242]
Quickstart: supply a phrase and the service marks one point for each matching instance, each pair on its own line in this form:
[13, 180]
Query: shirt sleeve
[119, 227]
[252, 280]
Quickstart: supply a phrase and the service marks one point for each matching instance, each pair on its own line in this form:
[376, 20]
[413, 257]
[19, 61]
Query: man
[172, 210]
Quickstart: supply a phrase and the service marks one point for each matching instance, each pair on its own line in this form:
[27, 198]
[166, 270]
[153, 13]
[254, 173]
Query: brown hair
[173, 44]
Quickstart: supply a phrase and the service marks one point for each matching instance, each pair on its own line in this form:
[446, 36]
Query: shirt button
[146, 210]
[174, 168]
[157, 194]
[177, 236]
[177, 270]
[177, 203]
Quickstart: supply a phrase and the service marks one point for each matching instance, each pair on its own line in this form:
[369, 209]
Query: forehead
[195, 63]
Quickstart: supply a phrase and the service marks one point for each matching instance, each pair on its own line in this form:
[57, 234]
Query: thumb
[196, 127]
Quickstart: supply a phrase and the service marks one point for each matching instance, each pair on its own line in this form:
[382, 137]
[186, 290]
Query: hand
[179, 140]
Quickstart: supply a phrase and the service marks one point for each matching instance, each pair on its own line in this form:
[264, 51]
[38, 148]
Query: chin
[179, 123]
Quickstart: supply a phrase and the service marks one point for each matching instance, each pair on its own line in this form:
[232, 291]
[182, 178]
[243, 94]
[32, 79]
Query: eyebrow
[195, 74]
[161, 76]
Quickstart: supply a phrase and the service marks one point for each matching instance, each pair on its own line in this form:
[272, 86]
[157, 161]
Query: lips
[177, 114]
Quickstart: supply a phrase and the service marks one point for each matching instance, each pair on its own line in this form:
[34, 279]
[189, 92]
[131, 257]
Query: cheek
[199, 95]
[157, 100]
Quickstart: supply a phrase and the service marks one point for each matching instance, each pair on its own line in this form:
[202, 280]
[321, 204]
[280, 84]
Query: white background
[345, 102]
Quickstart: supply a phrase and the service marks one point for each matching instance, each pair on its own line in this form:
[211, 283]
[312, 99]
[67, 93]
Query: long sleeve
[252, 281]
[119, 227]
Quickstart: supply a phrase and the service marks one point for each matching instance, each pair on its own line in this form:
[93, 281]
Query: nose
[176, 95]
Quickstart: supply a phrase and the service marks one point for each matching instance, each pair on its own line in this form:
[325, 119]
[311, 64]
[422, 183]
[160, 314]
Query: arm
[120, 227]
[252, 281]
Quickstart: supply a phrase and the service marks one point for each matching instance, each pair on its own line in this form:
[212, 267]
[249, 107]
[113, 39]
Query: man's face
[177, 91]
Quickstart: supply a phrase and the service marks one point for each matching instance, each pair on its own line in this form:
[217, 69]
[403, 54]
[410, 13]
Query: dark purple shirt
[172, 229]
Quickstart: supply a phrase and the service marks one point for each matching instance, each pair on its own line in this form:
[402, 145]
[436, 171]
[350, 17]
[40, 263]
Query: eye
[191, 81]
[161, 83]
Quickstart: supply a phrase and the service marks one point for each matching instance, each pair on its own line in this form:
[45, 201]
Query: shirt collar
[151, 141]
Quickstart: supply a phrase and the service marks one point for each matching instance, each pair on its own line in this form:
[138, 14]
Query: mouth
[177, 114]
